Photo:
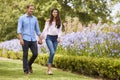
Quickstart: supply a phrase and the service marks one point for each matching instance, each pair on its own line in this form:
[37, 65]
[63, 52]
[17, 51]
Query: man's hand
[20, 38]
[21, 42]
[40, 41]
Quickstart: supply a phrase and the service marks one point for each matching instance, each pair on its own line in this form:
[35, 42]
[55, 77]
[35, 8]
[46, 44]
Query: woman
[52, 30]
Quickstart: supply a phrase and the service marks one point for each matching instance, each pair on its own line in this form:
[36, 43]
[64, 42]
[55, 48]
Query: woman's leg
[51, 49]
[52, 43]
[55, 44]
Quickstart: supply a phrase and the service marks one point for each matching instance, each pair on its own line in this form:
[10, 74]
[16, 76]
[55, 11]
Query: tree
[10, 11]
[86, 10]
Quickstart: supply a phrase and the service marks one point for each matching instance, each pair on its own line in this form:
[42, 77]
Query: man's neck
[29, 14]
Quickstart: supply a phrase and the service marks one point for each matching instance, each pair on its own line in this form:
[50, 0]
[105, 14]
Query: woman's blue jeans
[52, 43]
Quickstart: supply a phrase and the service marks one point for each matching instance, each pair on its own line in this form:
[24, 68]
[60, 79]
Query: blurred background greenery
[82, 11]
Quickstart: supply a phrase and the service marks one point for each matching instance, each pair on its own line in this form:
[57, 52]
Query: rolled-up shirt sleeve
[19, 28]
[37, 29]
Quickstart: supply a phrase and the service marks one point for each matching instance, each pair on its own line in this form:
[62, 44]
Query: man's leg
[34, 50]
[25, 48]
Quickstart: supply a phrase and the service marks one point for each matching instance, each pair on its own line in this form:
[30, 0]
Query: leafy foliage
[85, 10]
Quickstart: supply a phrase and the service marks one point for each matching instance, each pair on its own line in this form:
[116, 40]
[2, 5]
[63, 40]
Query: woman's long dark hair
[58, 21]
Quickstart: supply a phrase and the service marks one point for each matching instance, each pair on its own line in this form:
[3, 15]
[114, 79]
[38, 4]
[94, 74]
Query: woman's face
[55, 13]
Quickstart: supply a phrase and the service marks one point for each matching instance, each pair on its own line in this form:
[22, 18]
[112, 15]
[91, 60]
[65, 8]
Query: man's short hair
[29, 5]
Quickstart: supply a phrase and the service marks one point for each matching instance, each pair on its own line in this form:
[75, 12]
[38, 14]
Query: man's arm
[37, 29]
[19, 31]
[20, 38]
[38, 32]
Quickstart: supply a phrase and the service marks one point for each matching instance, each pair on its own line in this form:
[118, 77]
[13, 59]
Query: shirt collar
[28, 15]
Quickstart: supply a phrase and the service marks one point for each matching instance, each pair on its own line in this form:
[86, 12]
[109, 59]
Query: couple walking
[28, 26]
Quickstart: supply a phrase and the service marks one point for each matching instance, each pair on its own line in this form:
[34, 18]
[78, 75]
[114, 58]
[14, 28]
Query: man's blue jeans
[52, 43]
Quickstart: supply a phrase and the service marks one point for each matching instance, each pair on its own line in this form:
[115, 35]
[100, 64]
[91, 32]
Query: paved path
[1, 58]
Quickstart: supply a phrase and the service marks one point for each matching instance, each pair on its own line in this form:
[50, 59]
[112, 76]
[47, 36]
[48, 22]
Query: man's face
[30, 10]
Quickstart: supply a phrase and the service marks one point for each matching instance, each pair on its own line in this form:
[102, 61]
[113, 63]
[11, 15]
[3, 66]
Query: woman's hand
[58, 40]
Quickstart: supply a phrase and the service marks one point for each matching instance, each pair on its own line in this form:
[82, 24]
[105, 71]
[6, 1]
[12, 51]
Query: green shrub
[13, 55]
[0, 52]
[42, 59]
[108, 68]
[4, 55]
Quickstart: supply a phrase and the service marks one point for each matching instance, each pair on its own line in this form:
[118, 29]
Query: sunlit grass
[12, 70]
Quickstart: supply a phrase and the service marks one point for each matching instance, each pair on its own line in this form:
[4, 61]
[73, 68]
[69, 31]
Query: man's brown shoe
[30, 70]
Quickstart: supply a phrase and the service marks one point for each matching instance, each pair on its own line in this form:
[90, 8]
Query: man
[27, 26]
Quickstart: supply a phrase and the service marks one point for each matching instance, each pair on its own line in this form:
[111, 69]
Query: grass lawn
[12, 70]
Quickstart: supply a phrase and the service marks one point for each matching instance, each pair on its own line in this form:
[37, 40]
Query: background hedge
[108, 68]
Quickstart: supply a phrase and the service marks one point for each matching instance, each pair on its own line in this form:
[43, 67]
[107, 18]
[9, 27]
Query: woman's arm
[44, 32]
[59, 33]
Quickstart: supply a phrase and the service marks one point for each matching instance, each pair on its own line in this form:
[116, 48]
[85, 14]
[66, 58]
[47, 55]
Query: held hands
[40, 40]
